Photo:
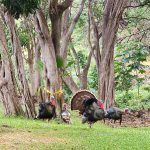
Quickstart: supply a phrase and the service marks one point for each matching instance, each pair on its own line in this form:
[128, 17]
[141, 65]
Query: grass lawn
[26, 134]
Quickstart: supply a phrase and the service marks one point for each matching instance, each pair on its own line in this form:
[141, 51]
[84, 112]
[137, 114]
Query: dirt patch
[5, 129]
[13, 140]
[139, 118]
[5, 126]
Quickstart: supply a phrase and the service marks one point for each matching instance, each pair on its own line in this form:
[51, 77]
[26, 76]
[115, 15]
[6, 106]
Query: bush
[132, 99]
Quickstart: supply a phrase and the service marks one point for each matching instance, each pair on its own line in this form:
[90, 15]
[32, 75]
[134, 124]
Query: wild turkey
[65, 114]
[88, 106]
[47, 110]
[92, 111]
[115, 113]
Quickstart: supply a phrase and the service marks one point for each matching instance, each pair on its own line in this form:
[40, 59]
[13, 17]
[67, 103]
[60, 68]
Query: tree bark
[31, 65]
[82, 75]
[112, 14]
[8, 91]
[94, 38]
[37, 76]
[70, 83]
[26, 95]
[55, 12]
[66, 38]
[48, 56]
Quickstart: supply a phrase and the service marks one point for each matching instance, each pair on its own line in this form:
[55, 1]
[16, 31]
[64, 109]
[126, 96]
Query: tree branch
[138, 4]
[53, 2]
[87, 65]
[64, 5]
[77, 61]
[40, 25]
[129, 36]
[94, 40]
[70, 83]
[137, 18]
[65, 40]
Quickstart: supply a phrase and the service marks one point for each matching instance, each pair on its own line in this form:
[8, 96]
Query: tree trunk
[7, 80]
[66, 39]
[31, 65]
[112, 14]
[26, 95]
[48, 56]
[56, 30]
[82, 75]
[36, 80]
[70, 83]
[94, 38]
[55, 12]
[65, 22]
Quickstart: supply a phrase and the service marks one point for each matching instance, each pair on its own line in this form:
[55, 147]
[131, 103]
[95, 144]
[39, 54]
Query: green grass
[26, 134]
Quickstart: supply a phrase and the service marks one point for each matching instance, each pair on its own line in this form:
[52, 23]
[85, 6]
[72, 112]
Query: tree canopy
[21, 7]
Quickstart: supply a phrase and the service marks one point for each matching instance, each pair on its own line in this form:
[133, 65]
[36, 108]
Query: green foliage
[128, 64]
[147, 88]
[40, 65]
[60, 62]
[98, 9]
[25, 32]
[82, 59]
[82, 20]
[24, 38]
[131, 98]
[145, 2]
[93, 80]
[70, 62]
[123, 98]
[21, 7]
[67, 93]
[123, 79]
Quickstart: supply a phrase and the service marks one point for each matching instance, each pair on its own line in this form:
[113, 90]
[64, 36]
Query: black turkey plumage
[115, 113]
[47, 110]
[92, 111]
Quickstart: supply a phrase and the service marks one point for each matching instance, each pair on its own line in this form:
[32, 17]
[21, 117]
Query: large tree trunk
[112, 14]
[8, 92]
[26, 95]
[48, 56]
[51, 44]
[56, 11]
